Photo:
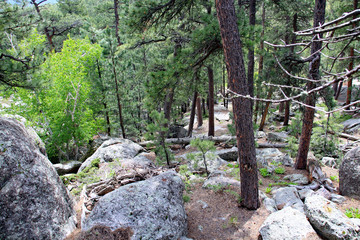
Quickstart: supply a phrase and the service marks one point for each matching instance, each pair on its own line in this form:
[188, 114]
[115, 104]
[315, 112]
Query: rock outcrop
[349, 174]
[68, 167]
[34, 202]
[152, 209]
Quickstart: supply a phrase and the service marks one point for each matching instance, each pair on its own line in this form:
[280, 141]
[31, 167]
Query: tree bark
[116, 3]
[251, 63]
[266, 110]
[241, 107]
[199, 112]
[287, 91]
[211, 102]
[192, 115]
[314, 73]
[118, 98]
[351, 64]
[261, 60]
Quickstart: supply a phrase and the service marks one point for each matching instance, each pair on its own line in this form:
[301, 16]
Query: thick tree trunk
[319, 19]
[211, 102]
[199, 112]
[241, 107]
[192, 115]
[266, 110]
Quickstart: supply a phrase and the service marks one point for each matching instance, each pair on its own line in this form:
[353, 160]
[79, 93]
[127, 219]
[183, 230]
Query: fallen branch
[344, 135]
[219, 139]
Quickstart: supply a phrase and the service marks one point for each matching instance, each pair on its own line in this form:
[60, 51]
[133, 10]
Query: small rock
[68, 167]
[303, 193]
[220, 181]
[277, 136]
[324, 193]
[288, 197]
[203, 204]
[297, 178]
[228, 154]
[336, 198]
[328, 161]
[287, 224]
[260, 134]
[270, 204]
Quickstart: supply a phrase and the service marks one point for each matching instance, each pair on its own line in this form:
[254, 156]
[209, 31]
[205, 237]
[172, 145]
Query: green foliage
[334, 178]
[231, 126]
[282, 184]
[61, 106]
[87, 176]
[352, 213]
[186, 198]
[157, 132]
[217, 187]
[293, 146]
[322, 143]
[295, 126]
[268, 190]
[279, 170]
[264, 172]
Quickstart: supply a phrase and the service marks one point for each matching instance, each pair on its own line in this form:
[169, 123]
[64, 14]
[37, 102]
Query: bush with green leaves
[157, 132]
[279, 170]
[204, 146]
[264, 172]
[352, 213]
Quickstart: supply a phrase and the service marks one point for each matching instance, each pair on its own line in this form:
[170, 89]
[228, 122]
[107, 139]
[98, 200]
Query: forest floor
[217, 215]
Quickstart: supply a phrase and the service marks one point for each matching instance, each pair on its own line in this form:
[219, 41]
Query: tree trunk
[211, 102]
[199, 112]
[266, 110]
[224, 84]
[241, 107]
[168, 103]
[192, 115]
[281, 107]
[319, 19]
[108, 126]
[116, 3]
[288, 91]
[351, 64]
[251, 63]
[261, 60]
[118, 98]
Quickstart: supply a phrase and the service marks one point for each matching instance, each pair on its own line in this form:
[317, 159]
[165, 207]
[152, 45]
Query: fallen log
[344, 135]
[219, 139]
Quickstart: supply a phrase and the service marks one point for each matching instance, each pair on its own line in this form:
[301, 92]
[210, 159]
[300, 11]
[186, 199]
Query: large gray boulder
[152, 209]
[288, 197]
[349, 174]
[34, 202]
[329, 221]
[286, 224]
[114, 149]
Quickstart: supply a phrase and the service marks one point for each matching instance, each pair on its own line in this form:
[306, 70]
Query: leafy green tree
[61, 106]
[204, 146]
